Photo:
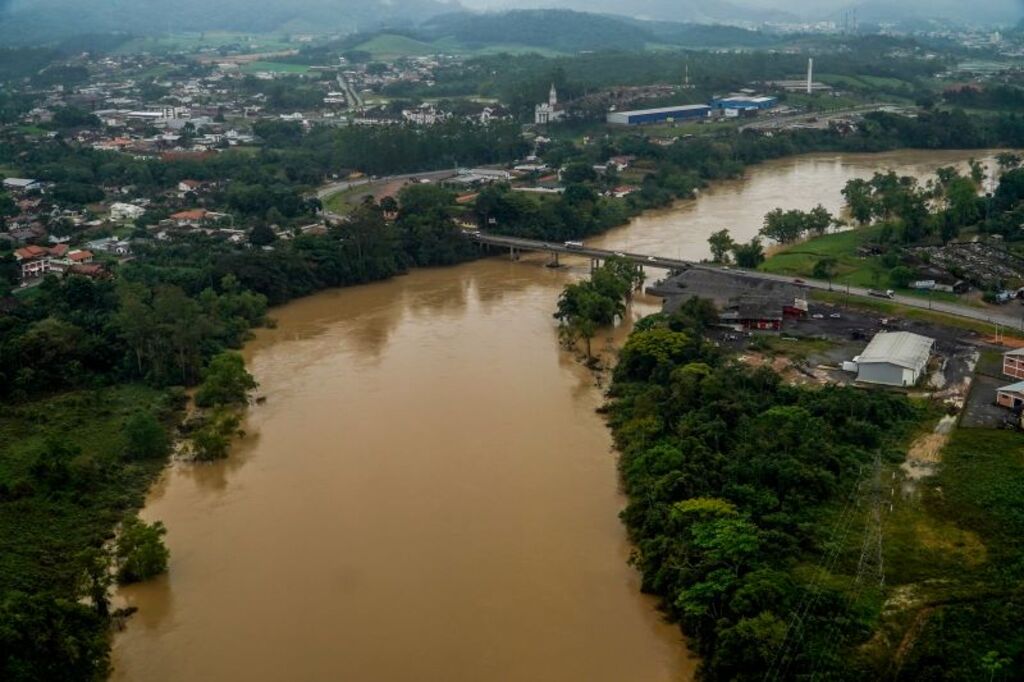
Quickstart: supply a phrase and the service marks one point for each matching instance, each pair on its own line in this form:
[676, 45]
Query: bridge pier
[595, 263]
[513, 253]
[554, 260]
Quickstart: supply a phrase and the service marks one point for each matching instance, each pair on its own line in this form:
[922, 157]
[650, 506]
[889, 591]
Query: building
[894, 359]
[21, 185]
[121, 212]
[689, 112]
[194, 217]
[754, 314]
[1011, 396]
[1013, 363]
[34, 261]
[550, 111]
[744, 103]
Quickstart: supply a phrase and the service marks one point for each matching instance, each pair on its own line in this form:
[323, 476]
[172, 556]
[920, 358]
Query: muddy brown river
[428, 493]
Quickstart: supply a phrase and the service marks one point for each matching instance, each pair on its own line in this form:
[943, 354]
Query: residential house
[122, 212]
[1011, 396]
[34, 260]
[192, 218]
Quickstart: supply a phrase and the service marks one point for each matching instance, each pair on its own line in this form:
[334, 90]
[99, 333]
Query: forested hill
[561, 30]
[569, 31]
[43, 21]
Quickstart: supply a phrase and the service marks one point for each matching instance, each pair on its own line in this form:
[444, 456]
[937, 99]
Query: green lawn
[346, 201]
[799, 259]
[194, 42]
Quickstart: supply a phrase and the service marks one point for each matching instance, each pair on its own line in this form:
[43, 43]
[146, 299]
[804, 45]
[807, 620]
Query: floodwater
[428, 493]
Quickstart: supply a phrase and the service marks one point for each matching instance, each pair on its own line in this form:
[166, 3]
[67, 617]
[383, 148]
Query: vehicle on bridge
[573, 245]
[888, 293]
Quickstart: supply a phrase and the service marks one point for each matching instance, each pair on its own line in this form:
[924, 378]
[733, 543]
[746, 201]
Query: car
[798, 281]
[651, 259]
[619, 254]
[818, 316]
[834, 316]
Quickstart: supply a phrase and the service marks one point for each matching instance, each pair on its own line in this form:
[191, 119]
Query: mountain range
[37, 21]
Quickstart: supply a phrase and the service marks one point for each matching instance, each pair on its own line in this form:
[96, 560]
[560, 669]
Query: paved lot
[981, 410]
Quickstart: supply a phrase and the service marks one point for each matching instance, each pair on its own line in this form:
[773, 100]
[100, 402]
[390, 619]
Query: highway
[997, 317]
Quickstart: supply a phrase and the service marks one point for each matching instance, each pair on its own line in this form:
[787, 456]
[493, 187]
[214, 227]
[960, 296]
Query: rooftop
[1013, 388]
[664, 110]
[898, 348]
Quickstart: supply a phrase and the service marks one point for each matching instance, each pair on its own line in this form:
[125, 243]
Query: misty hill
[26, 21]
[560, 30]
[569, 31]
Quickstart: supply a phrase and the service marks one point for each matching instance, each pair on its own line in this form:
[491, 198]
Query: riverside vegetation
[749, 501]
[90, 370]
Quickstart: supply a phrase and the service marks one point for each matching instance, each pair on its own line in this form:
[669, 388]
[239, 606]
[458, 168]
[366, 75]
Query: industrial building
[744, 102]
[689, 112]
[894, 359]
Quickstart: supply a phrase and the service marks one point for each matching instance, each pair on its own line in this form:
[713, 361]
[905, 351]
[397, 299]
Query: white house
[122, 212]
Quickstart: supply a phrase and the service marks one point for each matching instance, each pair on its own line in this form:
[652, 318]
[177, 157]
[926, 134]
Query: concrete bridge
[1009, 316]
[516, 245]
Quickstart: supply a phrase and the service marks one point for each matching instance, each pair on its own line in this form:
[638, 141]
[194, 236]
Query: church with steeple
[550, 111]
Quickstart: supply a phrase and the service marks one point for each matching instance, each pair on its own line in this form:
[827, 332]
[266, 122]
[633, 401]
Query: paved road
[821, 117]
[1010, 315]
[342, 185]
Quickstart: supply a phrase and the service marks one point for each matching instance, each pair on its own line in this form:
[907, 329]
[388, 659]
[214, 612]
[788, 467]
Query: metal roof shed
[894, 358]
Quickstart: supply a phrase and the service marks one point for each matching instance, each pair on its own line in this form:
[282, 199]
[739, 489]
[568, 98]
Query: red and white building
[1013, 363]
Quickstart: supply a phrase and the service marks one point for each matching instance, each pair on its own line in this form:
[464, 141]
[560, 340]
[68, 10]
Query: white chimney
[810, 75]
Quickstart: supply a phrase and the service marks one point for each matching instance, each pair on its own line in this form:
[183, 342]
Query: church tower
[552, 96]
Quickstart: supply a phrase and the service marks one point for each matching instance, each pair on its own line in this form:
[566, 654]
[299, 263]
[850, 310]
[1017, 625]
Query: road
[988, 315]
[335, 187]
[820, 117]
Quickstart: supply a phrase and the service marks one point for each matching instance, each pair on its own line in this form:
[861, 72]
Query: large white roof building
[894, 358]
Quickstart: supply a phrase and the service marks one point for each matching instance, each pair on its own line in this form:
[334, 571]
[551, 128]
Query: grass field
[346, 201]
[860, 271]
[194, 42]
[391, 45]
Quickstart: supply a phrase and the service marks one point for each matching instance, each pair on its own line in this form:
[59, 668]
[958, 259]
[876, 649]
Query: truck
[573, 245]
[888, 293]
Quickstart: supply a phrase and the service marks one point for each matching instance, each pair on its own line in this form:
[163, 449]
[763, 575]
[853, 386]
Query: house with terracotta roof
[80, 257]
[35, 261]
[193, 217]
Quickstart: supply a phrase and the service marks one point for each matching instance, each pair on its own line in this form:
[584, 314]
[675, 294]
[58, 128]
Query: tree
[825, 268]
[859, 200]
[818, 220]
[721, 244]
[784, 226]
[749, 255]
[140, 550]
[578, 172]
[262, 234]
[225, 381]
[901, 276]
[212, 440]
[145, 437]
[95, 579]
